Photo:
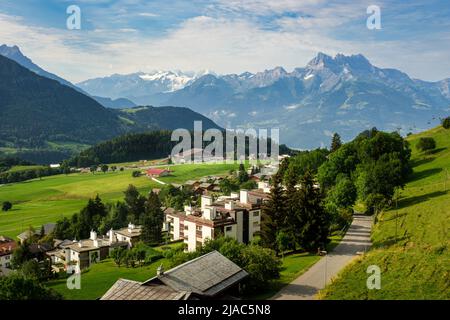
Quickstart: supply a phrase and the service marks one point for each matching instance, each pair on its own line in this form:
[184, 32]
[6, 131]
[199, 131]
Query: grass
[410, 241]
[24, 168]
[39, 201]
[96, 280]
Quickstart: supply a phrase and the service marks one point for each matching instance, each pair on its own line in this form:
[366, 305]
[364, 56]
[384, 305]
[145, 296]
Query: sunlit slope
[410, 242]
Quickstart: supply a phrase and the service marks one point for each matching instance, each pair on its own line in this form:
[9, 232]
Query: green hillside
[36, 202]
[410, 242]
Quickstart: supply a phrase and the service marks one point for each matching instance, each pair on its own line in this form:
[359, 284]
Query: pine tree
[336, 142]
[313, 221]
[135, 202]
[291, 222]
[273, 214]
[152, 221]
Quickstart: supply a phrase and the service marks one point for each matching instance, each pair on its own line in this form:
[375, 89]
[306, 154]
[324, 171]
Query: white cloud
[148, 14]
[225, 40]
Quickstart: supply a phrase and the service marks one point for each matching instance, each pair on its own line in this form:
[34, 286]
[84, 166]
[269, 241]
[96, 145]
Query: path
[158, 181]
[356, 240]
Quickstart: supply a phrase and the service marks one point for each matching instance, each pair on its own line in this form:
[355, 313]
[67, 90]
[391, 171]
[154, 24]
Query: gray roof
[48, 228]
[208, 275]
[133, 290]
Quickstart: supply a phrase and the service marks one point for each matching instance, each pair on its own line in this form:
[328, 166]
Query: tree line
[314, 192]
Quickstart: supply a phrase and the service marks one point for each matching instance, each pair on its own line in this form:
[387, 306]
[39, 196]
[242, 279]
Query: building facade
[237, 216]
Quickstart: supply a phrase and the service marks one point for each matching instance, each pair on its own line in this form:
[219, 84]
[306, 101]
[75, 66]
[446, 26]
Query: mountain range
[39, 114]
[344, 94]
[140, 87]
[14, 53]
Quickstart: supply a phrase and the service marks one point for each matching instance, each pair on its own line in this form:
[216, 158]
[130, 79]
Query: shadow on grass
[391, 240]
[419, 162]
[418, 175]
[403, 203]
[435, 151]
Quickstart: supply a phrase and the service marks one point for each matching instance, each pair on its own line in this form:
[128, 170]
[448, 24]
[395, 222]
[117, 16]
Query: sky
[226, 36]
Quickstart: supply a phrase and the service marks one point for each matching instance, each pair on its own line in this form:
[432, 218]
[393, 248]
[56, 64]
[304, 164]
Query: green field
[40, 201]
[96, 280]
[24, 168]
[410, 242]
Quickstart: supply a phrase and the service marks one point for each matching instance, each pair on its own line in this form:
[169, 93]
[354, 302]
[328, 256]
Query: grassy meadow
[410, 241]
[39, 201]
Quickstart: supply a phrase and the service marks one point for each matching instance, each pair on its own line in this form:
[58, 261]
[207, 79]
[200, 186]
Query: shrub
[446, 123]
[6, 206]
[136, 174]
[426, 144]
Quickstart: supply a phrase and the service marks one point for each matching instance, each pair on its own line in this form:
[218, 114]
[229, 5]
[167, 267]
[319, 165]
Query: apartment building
[237, 216]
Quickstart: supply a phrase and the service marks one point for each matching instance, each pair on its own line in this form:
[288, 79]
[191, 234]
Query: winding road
[355, 241]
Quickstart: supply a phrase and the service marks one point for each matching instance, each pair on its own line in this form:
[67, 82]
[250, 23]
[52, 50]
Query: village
[236, 216]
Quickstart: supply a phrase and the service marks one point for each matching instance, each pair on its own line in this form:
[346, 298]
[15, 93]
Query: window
[256, 214]
[199, 228]
[228, 228]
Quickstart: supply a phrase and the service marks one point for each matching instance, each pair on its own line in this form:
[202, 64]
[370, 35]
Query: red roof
[6, 245]
[155, 171]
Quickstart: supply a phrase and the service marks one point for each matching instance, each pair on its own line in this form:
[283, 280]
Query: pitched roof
[48, 228]
[206, 275]
[156, 171]
[132, 290]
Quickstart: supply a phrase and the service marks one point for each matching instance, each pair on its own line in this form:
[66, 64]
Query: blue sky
[226, 36]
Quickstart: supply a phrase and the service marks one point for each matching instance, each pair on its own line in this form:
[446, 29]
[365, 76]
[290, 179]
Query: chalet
[155, 172]
[130, 234]
[47, 228]
[7, 246]
[209, 276]
[84, 253]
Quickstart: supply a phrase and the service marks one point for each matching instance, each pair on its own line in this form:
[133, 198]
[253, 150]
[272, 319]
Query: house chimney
[130, 227]
[244, 196]
[230, 205]
[206, 201]
[160, 271]
[80, 244]
[112, 237]
[188, 209]
[209, 213]
[93, 235]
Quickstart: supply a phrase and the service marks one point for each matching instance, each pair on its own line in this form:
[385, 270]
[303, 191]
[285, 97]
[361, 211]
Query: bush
[6, 206]
[136, 174]
[19, 287]
[446, 123]
[426, 144]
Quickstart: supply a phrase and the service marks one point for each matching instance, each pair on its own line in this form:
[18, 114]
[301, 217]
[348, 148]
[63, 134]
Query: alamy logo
[74, 280]
[374, 280]
[374, 20]
[74, 20]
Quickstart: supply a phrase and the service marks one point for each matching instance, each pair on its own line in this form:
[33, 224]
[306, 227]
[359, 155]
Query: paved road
[305, 287]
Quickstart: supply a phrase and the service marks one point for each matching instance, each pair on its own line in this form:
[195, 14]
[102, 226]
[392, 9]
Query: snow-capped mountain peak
[174, 80]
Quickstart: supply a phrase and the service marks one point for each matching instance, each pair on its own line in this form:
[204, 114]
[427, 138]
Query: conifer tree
[273, 214]
[336, 142]
[313, 221]
[152, 221]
